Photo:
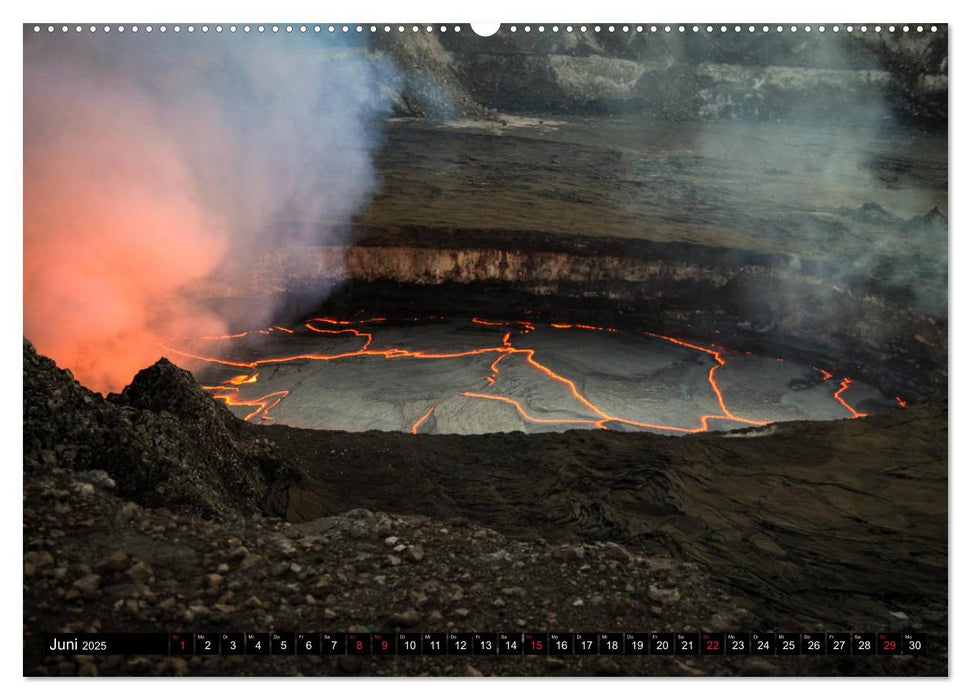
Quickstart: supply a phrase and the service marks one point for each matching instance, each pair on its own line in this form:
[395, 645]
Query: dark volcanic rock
[793, 527]
[163, 441]
[800, 516]
[165, 387]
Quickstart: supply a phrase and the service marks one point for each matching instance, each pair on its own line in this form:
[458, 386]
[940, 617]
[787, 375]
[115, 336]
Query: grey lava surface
[484, 376]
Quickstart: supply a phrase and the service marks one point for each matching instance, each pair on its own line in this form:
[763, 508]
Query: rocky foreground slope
[155, 510]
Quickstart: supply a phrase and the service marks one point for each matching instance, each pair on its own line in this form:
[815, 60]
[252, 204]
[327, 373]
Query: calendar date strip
[488, 644]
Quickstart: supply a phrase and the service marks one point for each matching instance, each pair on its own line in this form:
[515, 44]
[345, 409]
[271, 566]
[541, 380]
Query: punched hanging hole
[485, 28]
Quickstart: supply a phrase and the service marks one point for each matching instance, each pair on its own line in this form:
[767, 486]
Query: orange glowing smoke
[146, 156]
[112, 230]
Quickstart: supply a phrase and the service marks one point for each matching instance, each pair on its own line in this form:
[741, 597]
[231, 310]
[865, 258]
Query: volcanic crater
[673, 338]
[774, 283]
[598, 272]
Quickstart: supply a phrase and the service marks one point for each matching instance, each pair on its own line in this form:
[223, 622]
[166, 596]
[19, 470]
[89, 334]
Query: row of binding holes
[259, 28]
[346, 28]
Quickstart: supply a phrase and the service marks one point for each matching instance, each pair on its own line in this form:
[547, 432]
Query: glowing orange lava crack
[228, 391]
[844, 385]
[417, 425]
[522, 411]
[838, 394]
[720, 362]
[261, 405]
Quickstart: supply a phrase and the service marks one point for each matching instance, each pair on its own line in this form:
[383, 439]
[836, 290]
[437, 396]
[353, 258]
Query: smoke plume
[151, 161]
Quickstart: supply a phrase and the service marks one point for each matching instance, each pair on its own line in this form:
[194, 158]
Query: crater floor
[484, 375]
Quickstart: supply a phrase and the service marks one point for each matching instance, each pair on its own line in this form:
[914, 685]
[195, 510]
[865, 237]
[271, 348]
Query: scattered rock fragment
[408, 618]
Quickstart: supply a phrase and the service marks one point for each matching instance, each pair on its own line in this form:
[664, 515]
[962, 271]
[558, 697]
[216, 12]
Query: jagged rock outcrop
[163, 441]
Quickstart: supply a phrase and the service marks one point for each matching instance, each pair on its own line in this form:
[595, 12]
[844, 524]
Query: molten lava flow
[228, 391]
[226, 337]
[838, 394]
[417, 425]
[309, 325]
[336, 322]
[900, 401]
[262, 405]
[261, 331]
[582, 326]
[844, 385]
[720, 362]
[243, 379]
[522, 411]
[527, 326]
[826, 375]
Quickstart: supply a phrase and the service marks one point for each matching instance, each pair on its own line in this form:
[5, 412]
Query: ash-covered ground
[157, 510]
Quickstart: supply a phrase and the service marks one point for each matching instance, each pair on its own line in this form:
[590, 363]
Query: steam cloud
[151, 161]
[893, 239]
